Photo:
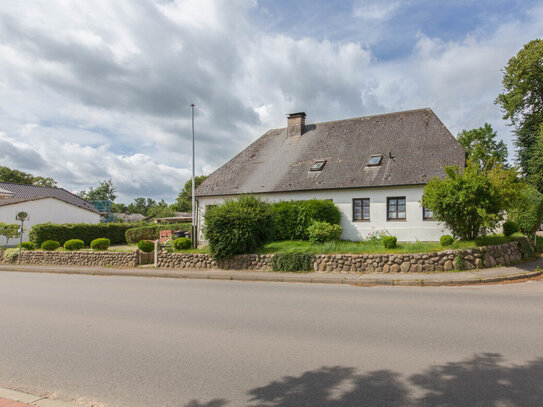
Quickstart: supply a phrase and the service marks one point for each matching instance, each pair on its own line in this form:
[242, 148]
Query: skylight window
[375, 160]
[318, 165]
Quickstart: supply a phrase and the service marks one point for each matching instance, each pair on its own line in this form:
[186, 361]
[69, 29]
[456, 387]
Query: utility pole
[194, 229]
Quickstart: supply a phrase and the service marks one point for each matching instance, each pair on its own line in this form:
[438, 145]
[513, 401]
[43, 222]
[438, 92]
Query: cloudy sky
[101, 89]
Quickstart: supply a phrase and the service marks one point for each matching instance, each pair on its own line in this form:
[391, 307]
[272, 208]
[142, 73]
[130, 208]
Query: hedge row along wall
[136, 234]
[115, 232]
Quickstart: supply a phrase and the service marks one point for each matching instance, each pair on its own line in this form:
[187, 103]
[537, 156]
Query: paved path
[496, 274]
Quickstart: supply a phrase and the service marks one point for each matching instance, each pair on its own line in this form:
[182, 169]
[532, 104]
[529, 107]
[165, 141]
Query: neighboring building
[373, 168]
[129, 217]
[180, 217]
[43, 204]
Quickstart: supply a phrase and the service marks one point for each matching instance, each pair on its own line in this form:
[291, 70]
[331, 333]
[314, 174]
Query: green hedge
[135, 234]
[291, 261]
[292, 218]
[87, 232]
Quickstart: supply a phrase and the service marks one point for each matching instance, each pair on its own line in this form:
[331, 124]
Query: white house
[43, 204]
[373, 168]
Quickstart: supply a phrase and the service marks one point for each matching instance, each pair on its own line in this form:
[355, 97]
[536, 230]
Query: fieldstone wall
[204, 261]
[468, 259]
[80, 258]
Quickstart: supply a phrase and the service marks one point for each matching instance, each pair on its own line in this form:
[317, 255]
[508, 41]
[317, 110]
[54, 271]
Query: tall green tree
[184, 199]
[141, 205]
[482, 146]
[19, 177]
[522, 99]
[105, 191]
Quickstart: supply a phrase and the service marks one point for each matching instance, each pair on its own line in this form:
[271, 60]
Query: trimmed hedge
[50, 245]
[146, 246]
[509, 228]
[446, 240]
[238, 226]
[27, 245]
[135, 234]
[183, 243]
[390, 242]
[101, 243]
[292, 218]
[74, 244]
[87, 232]
[291, 261]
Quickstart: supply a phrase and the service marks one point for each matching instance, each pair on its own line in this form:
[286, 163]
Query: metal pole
[21, 241]
[193, 187]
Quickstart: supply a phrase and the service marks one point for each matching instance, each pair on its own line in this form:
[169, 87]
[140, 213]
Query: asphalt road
[135, 342]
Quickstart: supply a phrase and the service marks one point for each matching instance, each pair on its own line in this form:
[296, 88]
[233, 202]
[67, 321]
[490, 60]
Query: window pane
[366, 211]
[401, 215]
[357, 213]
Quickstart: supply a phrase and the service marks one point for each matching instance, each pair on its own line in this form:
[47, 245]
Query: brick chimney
[295, 124]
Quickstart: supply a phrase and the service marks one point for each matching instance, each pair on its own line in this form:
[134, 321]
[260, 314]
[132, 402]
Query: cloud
[102, 90]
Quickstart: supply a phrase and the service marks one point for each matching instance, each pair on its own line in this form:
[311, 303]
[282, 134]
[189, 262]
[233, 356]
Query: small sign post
[22, 216]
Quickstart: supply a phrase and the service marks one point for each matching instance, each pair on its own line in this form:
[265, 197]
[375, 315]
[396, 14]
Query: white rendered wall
[43, 211]
[411, 229]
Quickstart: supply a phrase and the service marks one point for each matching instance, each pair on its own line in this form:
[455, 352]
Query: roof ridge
[30, 185]
[364, 117]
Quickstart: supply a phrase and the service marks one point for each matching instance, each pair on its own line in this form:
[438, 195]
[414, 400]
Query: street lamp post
[194, 230]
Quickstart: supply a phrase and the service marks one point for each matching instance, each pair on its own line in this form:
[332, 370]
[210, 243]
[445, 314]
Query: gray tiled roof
[23, 192]
[415, 146]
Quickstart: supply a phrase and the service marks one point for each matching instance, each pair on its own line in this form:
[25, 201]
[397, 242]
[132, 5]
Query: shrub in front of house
[390, 242]
[27, 245]
[50, 245]
[74, 244]
[290, 261]
[10, 255]
[294, 217]
[320, 232]
[238, 226]
[152, 232]
[183, 243]
[101, 243]
[146, 246]
[527, 211]
[87, 232]
[509, 228]
[446, 240]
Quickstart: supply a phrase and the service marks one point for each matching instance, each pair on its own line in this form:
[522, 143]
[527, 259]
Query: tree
[184, 199]
[20, 177]
[535, 164]
[522, 99]
[141, 205]
[482, 147]
[466, 201]
[105, 191]
[9, 231]
[527, 212]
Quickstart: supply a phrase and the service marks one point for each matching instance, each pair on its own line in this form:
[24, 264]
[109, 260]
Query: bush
[320, 232]
[527, 212]
[294, 217]
[10, 255]
[135, 234]
[183, 243]
[101, 243]
[74, 244]
[27, 245]
[509, 228]
[146, 246]
[238, 226]
[50, 245]
[292, 262]
[87, 232]
[458, 262]
[446, 240]
[390, 242]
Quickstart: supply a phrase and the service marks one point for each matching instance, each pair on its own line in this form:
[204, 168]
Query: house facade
[42, 204]
[373, 168]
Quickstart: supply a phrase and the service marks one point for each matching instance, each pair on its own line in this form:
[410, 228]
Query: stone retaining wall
[77, 258]
[468, 259]
[205, 261]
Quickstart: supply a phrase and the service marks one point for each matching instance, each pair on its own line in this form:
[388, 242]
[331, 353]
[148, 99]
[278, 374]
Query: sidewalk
[492, 275]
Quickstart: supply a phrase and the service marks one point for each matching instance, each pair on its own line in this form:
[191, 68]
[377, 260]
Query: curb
[289, 278]
[30, 399]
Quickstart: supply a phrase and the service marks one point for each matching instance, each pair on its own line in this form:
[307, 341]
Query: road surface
[135, 342]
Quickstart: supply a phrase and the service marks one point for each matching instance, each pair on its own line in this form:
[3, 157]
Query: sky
[102, 89]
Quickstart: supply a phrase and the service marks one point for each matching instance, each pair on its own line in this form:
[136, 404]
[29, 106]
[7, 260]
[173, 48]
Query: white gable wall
[43, 211]
[411, 229]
